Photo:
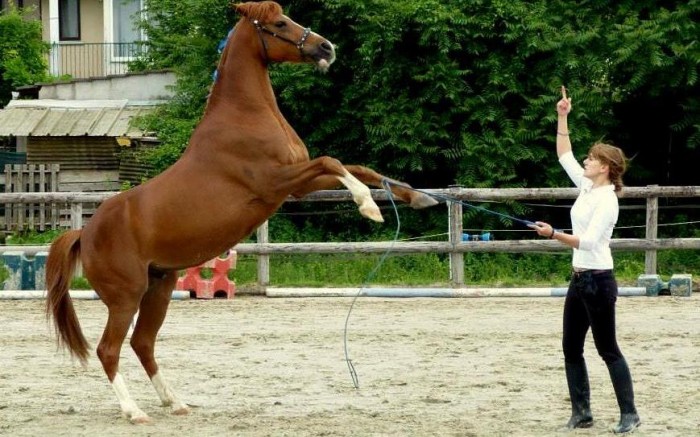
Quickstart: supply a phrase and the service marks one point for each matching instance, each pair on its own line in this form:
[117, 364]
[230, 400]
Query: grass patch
[343, 270]
[480, 269]
[429, 269]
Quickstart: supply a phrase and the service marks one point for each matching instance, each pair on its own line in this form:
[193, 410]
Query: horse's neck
[243, 87]
[243, 79]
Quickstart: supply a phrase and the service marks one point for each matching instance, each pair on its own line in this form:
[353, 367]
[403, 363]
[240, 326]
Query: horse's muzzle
[324, 55]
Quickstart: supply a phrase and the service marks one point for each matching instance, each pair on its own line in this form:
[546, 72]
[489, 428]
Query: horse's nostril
[326, 46]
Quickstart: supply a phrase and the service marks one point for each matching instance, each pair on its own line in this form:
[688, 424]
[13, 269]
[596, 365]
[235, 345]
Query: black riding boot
[622, 383]
[580, 394]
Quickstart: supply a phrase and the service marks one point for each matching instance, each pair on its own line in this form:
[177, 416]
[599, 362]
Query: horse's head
[282, 39]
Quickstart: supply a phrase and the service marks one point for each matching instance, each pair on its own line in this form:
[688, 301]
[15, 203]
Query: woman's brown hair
[614, 158]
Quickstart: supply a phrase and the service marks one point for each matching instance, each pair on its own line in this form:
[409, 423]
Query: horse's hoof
[422, 201]
[182, 411]
[140, 420]
[372, 213]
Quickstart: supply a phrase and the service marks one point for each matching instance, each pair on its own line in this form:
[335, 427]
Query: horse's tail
[60, 265]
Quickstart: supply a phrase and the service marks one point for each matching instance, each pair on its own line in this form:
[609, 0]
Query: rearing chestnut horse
[243, 160]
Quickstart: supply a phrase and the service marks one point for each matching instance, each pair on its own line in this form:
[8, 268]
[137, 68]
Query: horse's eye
[280, 24]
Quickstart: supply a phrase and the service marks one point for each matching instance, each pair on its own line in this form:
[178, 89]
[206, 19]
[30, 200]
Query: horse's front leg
[401, 190]
[326, 172]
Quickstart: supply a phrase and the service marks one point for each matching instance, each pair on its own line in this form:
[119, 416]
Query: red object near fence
[218, 286]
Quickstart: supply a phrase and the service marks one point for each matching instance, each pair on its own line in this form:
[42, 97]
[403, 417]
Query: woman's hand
[543, 229]
[564, 105]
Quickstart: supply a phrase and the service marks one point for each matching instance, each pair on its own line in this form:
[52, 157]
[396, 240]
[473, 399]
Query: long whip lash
[351, 368]
[469, 205]
[386, 184]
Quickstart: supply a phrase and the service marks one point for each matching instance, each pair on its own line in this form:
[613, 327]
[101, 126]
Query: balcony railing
[85, 60]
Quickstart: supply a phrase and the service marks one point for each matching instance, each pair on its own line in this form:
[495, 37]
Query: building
[77, 135]
[83, 121]
[85, 126]
[89, 38]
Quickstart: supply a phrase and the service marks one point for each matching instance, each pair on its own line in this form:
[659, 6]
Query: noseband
[298, 44]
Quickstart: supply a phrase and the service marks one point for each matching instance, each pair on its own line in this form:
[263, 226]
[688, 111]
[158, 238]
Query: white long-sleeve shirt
[593, 218]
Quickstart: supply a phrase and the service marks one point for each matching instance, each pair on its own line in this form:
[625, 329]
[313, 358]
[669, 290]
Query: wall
[132, 86]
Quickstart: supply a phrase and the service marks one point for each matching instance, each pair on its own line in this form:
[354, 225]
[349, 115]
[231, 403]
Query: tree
[22, 52]
[183, 35]
[438, 92]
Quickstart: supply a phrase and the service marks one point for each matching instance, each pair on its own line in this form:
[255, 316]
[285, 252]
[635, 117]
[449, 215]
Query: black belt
[590, 272]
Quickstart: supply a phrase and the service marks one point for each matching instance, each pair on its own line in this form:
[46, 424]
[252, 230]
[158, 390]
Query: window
[126, 14]
[69, 20]
[5, 4]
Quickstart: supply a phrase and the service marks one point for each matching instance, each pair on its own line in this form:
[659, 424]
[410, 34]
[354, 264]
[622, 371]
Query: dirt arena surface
[256, 366]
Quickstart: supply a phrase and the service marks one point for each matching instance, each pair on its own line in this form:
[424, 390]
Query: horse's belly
[200, 236]
[177, 227]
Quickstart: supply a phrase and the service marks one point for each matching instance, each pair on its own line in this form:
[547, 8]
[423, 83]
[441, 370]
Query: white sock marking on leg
[167, 396]
[128, 406]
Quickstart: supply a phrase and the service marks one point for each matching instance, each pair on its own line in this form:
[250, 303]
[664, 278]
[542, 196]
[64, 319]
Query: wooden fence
[453, 246]
[31, 178]
[47, 178]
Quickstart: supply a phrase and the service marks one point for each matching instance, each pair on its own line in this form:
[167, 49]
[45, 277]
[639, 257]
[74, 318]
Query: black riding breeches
[590, 302]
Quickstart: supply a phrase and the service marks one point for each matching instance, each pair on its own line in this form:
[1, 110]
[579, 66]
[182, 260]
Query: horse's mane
[262, 11]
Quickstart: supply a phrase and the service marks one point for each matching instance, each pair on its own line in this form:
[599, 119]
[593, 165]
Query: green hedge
[463, 92]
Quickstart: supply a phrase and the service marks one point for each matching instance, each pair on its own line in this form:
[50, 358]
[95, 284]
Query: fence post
[9, 208]
[651, 232]
[263, 260]
[455, 235]
[76, 222]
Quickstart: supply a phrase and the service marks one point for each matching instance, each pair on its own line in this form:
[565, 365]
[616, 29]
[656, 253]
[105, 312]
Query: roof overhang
[95, 118]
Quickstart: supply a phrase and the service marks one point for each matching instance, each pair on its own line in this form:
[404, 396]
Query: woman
[590, 300]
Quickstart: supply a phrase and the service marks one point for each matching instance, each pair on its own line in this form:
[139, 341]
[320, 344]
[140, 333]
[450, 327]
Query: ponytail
[615, 159]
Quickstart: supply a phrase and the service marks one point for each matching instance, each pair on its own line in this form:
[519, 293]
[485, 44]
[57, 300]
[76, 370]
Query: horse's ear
[262, 11]
[243, 8]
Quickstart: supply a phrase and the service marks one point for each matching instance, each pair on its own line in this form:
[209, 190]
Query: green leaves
[22, 52]
[443, 92]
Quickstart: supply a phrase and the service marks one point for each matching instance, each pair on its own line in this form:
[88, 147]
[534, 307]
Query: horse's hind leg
[121, 312]
[154, 306]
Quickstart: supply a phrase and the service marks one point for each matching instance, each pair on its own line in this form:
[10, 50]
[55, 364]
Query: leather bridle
[298, 44]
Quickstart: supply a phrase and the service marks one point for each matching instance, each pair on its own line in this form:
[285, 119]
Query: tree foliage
[22, 52]
[182, 35]
[438, 92]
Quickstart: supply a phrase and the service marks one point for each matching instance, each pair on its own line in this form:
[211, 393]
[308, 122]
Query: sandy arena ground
[255, 366]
